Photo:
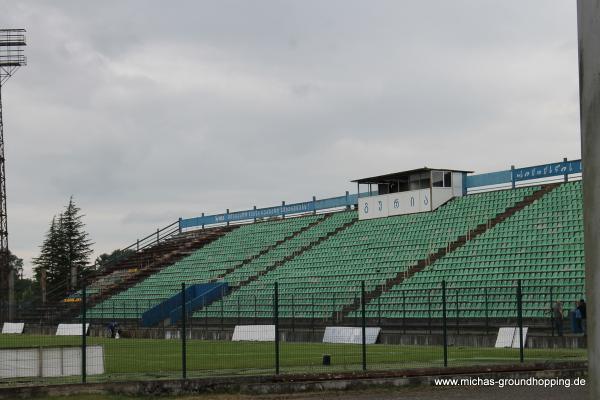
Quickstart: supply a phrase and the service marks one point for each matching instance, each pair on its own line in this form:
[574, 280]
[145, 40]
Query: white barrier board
[505, 337]
[509, 337]
[256, 333]
[515, 343]
[350, 334]
[13, 327]
[50, 361]
[71, 329]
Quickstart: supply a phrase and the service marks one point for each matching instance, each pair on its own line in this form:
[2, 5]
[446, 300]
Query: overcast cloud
[146, 111]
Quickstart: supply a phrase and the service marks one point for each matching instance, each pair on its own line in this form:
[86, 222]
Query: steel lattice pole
[7, 284]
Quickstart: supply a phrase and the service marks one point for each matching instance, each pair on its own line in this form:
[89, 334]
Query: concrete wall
[302, 383]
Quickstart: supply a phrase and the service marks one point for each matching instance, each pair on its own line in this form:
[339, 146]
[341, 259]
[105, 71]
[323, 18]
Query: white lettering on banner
[401, 203]
[409, 202]
[373, 207]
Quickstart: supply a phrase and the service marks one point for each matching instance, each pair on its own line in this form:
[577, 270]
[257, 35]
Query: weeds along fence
[280, 331]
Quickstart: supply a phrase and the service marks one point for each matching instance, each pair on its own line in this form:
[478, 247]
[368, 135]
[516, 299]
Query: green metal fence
[282, 332]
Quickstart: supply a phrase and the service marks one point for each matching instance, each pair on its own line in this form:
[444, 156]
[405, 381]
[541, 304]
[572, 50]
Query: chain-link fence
[280, 330]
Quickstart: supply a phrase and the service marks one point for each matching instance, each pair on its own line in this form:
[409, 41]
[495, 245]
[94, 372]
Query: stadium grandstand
[478, 233]
[417, 269]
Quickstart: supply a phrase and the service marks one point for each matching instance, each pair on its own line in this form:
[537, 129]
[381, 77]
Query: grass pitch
[161, 358]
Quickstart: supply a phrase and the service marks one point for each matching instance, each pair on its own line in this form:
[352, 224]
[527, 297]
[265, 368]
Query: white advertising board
[71, 329]
[373, 207]
[401, 203]
[254, 333]
[350, 334]
[509, 337]
[505, 337]
[50, 361]
[409, 202]
[13, 327]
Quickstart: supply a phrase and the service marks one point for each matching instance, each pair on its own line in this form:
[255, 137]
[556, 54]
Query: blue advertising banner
[524, 174]
[492, 178]
[288, 209]
[548, 170]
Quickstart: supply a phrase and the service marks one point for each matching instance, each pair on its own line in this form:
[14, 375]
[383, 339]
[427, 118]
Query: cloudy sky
[146, 111]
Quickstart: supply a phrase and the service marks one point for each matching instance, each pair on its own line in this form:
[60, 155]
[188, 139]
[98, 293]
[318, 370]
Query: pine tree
[51, 259]
[76, 242]
[65, 252]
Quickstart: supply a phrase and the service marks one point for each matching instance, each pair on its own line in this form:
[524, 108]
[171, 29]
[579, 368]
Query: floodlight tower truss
[12, 56]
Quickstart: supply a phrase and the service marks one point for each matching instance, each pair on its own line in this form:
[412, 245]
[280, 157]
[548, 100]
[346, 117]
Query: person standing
[558, 317]
[577, 318]
[583, 313]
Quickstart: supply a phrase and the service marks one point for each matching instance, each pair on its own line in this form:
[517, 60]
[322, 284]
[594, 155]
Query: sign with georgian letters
[401, 203]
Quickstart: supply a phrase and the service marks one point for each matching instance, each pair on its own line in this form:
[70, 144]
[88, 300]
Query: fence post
[255, 311]
[179, 226]
[333, 309]
[205, 308]
[429, 310]
[520, 318]
[157, 235]
[183, 334]
[222, 307]
[403, 311]
[83, 335]
[551, 311]
[364, 326]
[457, 313]
[379, 310]
[276, 322]
[312, 316]
[444, 326]
[566, 177]
[487, 318]
[293, 315]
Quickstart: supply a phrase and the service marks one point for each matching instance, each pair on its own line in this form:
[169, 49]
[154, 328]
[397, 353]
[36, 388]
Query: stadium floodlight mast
[12, 57]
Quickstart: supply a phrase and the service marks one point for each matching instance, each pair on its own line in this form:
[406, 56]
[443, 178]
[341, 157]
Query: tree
[76, 241]
[105, 259]
[16, 264]
[65, 251]
[24, 288]
[51, 259]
